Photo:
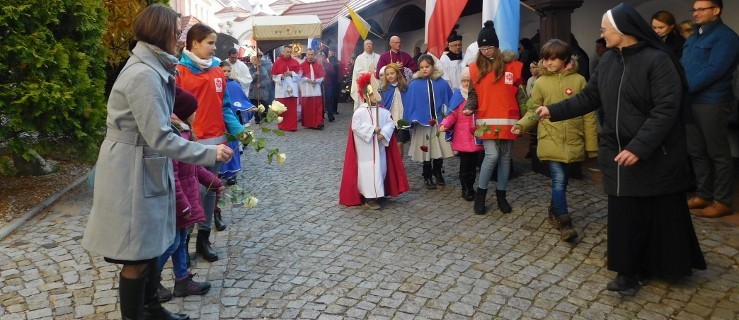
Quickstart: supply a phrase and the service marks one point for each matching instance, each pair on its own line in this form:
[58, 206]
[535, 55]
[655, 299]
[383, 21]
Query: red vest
[496, 101]
[209, 87]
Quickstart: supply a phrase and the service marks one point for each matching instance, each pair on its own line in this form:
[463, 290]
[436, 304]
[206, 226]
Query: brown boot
[714, 211]
[567, 233]
[698, 203]
[552, 218]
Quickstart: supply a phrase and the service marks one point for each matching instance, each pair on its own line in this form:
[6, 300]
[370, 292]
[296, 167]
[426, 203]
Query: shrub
[53, 79]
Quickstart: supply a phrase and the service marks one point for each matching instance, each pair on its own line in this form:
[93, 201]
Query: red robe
[396, 180]
[289, 117]
[311, 99]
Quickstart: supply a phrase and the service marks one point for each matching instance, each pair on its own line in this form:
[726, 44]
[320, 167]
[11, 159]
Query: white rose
[281, 158]
[261, 108]
[277, 107]
[279, 119]
[251, 202]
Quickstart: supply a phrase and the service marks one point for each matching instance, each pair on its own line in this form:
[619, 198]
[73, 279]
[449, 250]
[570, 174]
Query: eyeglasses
[700, 10]
[487, 48]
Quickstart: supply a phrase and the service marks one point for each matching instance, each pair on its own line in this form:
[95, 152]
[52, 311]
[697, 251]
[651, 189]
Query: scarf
[201, 63]
[168, 61]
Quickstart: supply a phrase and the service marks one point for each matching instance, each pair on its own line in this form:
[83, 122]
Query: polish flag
[441, 16]
[348, 37]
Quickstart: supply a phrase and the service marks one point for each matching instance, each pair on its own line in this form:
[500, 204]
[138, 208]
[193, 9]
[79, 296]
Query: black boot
[503, 204]
[438, 172]
[153, 308]
[187, 251]
[428, 179]
[163, 293]
[624, 284]
[480, 200]
[131, 295]
[218, 219]
[468, 188]
[203, 247]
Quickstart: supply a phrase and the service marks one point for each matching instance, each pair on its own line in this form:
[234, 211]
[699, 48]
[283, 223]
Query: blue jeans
[209, 199]
[559, 176]
[496, 151]
[178, 252]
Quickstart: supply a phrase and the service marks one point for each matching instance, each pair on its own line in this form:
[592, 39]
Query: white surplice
[371, 158]
[365, 62]
[452, 70]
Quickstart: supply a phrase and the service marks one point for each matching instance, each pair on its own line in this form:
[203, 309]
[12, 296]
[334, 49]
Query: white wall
[585, 22]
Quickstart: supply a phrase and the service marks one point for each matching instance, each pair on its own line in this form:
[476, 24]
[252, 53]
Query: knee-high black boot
[428, 178]
[437, 170]
[153, 308]
[131, 295]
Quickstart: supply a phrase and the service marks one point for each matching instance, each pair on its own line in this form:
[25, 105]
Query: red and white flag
[441, 16]
[348, 37]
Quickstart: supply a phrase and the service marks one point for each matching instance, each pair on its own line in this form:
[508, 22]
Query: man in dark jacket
[710, 58]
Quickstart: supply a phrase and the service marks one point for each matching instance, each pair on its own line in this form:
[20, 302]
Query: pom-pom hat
[487, 36]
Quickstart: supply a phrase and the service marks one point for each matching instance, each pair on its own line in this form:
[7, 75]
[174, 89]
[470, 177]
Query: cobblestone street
[299, 254]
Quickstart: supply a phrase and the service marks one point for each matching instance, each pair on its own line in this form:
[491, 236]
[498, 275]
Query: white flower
[279, 119]
[277, 107]
[251, 202]
[281, 158]
[261, 108]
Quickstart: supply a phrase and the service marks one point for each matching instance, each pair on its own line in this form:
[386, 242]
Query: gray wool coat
[133, 207]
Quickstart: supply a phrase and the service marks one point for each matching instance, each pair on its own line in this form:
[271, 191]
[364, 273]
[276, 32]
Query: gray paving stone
[300, 255]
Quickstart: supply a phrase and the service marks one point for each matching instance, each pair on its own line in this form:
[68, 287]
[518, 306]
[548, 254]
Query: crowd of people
[654, 112]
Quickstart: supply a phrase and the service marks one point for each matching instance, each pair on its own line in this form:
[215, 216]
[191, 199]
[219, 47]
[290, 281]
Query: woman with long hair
[663, 23]
[496, 77]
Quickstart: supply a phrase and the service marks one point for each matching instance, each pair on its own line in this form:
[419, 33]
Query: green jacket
[563, 141]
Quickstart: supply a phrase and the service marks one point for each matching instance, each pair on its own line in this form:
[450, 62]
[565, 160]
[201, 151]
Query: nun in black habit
[642, 152]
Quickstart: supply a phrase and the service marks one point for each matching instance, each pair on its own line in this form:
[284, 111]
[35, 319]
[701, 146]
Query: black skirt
[130, 262]
[652, 236]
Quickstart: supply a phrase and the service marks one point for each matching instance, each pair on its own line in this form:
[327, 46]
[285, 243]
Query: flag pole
[532, 9]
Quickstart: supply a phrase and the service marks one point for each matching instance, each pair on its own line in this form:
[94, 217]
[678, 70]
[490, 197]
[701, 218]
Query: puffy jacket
[187, 180]
[463, 138]
[709, 59]
[639, 90]
[563, 141]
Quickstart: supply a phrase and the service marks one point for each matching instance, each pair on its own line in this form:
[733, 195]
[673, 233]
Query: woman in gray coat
[132, 221]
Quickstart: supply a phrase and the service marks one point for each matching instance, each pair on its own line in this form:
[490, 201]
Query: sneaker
[164, 293]
[372, 204]
[188, 287]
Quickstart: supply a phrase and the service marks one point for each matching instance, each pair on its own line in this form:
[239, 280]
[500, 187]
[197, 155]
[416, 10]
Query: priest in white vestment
[365, 62]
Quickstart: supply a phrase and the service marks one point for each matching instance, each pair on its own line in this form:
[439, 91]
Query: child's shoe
[188, 287]
[372, 204]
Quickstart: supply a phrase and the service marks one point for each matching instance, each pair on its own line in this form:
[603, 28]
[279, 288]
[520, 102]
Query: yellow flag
[362, 26]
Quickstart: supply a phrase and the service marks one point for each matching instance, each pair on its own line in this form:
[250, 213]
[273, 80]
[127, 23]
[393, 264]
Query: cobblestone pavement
[300, 254]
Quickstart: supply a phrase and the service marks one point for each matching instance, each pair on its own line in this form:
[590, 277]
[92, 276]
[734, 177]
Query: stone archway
[408, 18]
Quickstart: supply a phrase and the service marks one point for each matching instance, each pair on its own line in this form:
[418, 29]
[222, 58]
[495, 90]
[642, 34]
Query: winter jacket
[187, 179]
[709, 59]
[214, 116]
[262, 77]
[133, 205]
[638, 88]
[563, 141]
[416, 107]
[463, 128]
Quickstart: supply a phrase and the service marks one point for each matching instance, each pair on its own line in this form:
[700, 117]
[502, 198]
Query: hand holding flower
[442, 128]
[543, 112]
[223, 153]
